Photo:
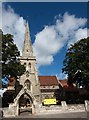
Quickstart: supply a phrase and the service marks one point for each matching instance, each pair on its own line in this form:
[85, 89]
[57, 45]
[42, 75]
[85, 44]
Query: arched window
[25, 64]
[29, 66]
[27, 50]
[27, 84]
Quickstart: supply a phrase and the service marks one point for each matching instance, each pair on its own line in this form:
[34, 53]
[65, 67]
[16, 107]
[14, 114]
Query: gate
[25, 104]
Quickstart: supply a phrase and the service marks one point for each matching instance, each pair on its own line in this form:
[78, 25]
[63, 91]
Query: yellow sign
[49, 101]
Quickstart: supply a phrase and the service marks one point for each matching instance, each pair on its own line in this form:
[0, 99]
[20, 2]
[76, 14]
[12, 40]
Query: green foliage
[10, 57]
[77, 59]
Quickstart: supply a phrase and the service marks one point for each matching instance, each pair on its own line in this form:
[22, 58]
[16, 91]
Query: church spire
[27, 47]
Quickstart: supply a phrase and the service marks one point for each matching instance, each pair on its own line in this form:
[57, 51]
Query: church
[31, 82]
[32, 89]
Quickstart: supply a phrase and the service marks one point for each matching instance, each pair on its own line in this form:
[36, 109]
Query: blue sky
[53, 27]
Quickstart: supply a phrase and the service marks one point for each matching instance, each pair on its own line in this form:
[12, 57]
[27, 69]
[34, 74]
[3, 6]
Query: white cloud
[81, 33]
[46, 45]
[0, 15]
[62, 76]
[49, 41]
[13, 24]
[67, 29]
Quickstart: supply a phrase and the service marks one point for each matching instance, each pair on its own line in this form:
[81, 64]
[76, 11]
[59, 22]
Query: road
[59, 116]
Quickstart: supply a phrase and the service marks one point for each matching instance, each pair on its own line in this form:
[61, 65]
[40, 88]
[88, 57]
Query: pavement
[59, 116]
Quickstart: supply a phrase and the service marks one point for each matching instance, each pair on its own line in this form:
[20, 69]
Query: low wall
[87, 105]
[9, 112]
[60, 108]
[12, 111]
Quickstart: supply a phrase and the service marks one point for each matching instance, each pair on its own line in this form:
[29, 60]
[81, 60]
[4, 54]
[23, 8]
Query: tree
[76, 63]
[10, 57]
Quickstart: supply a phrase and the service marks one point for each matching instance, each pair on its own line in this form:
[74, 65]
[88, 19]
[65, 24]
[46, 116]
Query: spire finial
[27, 19]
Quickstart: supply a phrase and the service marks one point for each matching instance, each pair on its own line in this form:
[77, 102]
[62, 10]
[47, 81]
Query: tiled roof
[63, 82]
[48, 80]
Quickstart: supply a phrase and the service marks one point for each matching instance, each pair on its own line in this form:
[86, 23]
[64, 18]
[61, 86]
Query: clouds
[46, 45]
[48, 42]
[62, 76]
[0, 15]
[67, 29]
[13, 24]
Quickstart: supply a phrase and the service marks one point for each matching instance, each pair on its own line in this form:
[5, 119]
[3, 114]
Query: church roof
[63, 82]
[48, 80]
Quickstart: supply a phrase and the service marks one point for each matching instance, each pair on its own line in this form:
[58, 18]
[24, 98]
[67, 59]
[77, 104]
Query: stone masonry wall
[9, 112]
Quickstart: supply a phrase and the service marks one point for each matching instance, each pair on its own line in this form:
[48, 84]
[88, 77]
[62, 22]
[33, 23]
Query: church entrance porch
[25, 104]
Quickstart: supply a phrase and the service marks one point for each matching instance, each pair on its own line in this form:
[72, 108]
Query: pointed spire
[27, 47]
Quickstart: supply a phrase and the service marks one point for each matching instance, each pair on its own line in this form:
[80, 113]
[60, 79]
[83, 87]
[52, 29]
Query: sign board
[49, 102]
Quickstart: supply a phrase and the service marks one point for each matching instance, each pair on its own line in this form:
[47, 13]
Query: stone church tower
[29, 80]
[28, 98]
